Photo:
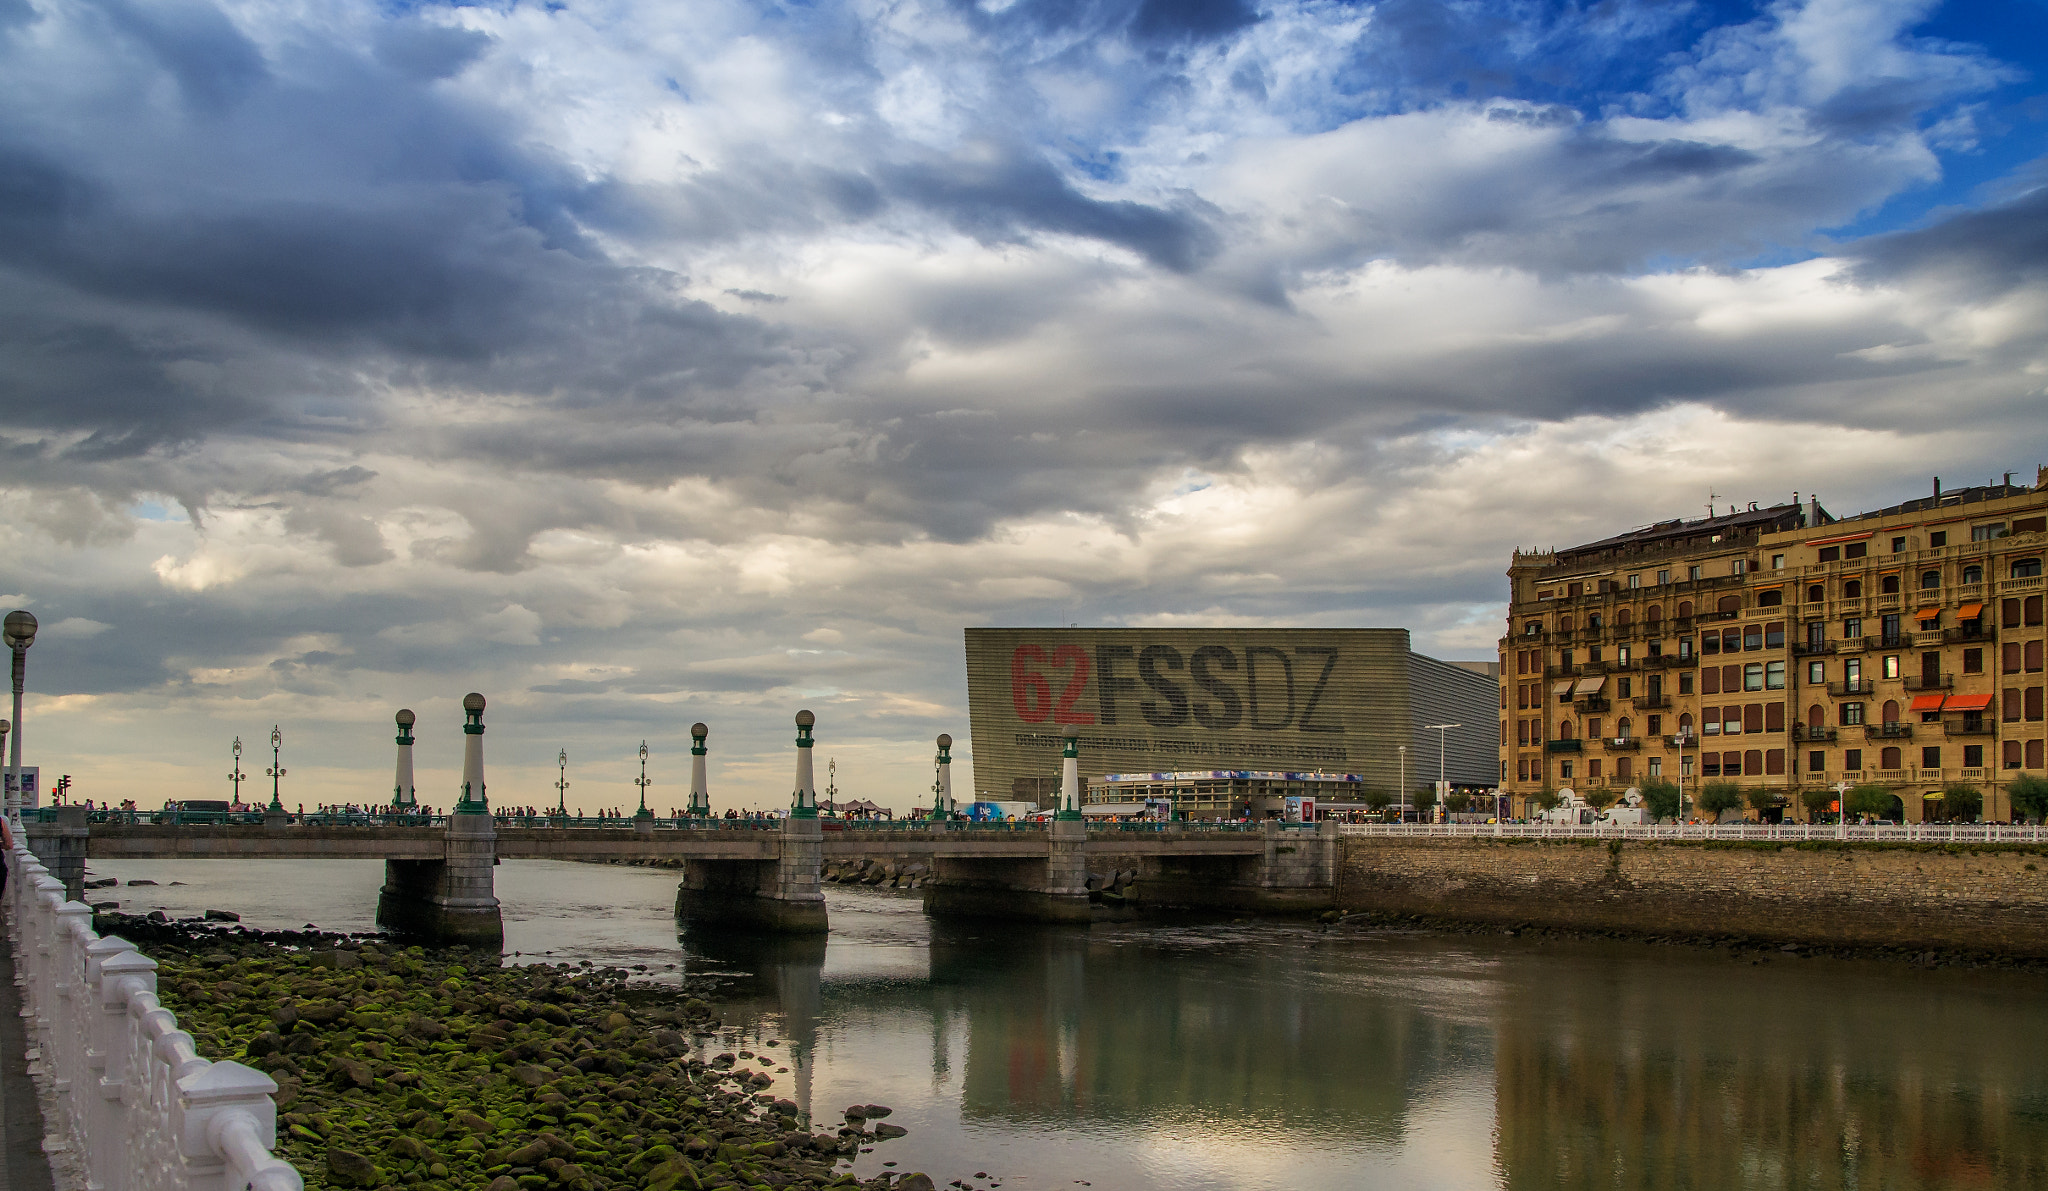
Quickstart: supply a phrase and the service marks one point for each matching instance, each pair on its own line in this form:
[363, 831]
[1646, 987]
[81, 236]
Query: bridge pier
[1049, 889]
[60, 845]
[452, 900]
[1295, 871]
[781, 895]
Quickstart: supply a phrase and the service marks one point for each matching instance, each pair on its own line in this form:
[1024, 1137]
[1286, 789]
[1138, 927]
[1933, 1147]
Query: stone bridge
[439, 883]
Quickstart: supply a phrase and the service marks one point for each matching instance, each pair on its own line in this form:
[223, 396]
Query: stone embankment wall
[1991, 898]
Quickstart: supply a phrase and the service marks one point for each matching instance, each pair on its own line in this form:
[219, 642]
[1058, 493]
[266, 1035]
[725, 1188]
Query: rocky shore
[400, 1067]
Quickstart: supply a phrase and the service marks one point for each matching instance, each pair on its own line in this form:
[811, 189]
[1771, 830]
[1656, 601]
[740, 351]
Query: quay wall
[1984, 897]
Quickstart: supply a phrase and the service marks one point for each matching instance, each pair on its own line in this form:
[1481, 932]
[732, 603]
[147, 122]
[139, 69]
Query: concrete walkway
[23, 1165]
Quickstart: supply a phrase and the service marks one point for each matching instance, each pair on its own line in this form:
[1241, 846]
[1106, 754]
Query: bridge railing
[1915, 833]
[135, 1099]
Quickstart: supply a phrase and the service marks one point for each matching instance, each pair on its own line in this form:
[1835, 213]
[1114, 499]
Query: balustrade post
[126, 978]
[226, 1124]
[71, 927]
[43, 987]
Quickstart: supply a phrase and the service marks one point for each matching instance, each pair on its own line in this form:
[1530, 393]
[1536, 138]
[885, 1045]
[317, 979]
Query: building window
[1663, 577]
[1777, 562]
[1889, 585]
[1774, 676]
[1852, 628]
[1564, 770]
[1739, 566]
[1929, 579]
[1852, 589]
[1770, 599]
[1852, 670]
[1694, 573]
[1684, 647]
[1986, 533]
[1852, 714]
[1937, 539]
[1973, 756]
[2026, 568]
[1973, 574]
[1656, 725]
[1635, 580]
[2009, 657]
[1852, 760]
[1816, 673]
[1888, 758]
[1753, 677]
[1624, 687]
[1592, 653]
[1973, 661]
[1685, 683]
[2010, 701]
[1898, 545]
[1889, 626]
[1831, 554]
[1856, 550]
[1656, 767]
[1930, 756]
[1816, 761]
[1753, 636]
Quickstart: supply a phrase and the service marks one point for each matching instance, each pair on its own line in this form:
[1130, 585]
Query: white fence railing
[134, 1097]
[1914, 833]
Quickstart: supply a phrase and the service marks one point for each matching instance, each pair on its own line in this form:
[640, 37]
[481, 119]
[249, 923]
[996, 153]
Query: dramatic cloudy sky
[638, 362]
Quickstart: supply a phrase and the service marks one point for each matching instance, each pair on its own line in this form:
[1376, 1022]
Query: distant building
[1220, 793]
[1224, 699]
[1785, 648]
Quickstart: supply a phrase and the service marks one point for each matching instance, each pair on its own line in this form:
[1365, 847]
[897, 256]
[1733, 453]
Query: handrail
[141, 1105]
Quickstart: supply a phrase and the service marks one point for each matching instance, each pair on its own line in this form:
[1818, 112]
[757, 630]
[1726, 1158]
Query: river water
[1276, 1056]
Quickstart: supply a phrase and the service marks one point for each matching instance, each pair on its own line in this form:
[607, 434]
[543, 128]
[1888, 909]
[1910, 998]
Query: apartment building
[1786, 648]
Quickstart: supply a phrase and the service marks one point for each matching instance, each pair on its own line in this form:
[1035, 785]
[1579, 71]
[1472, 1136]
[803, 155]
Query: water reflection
[1205, 1055]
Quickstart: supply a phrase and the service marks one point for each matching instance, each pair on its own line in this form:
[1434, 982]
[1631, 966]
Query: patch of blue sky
[156, 510]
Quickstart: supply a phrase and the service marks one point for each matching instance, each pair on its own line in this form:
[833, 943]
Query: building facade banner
[1181, 699]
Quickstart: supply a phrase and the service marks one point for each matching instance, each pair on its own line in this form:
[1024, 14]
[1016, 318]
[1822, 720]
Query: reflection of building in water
[785, 972]
[1692, 1082]
[1061, 1030]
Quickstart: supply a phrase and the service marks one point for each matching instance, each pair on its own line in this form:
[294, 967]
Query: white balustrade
[135, 1098]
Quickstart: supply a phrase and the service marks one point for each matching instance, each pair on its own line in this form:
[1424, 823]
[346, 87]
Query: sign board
[1174, 700]
[31, 782]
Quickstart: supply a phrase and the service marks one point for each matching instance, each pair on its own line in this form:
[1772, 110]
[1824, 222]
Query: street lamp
[20, 633]
[562, 786]
[1443, 732]
[237, 777]
[643, 812]
[1404, 781]
[276, 770]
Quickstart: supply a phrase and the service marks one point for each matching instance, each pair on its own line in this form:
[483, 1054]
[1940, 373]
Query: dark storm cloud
[1981, 254]
[214, 63]
[1001, 193]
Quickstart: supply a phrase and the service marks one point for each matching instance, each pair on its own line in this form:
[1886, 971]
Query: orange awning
[1969, 611]
[1927, 614]
[1968, 703]
[1927, 702]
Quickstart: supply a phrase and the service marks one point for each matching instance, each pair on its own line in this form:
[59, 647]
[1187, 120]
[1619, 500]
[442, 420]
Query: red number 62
[1032, 695]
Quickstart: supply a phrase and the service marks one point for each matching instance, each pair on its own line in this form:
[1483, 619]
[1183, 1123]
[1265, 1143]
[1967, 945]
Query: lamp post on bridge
[275, 771]
[473, 800]
[942, 777]
[562, 786]
[403, 796]
[700, 792]
[804, 800]
[642, 782]
[236, 778]
[20, 632]
[1070, 781]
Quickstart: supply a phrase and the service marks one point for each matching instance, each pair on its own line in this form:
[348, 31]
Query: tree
[1378, 800]
[1816, 802]
[1424, 800]
[1600, 797]
[1961, 802]
[1716, 797]
[1458, 803]
[1547, 798]
[1760, 798]
[2029, 796]
[1660, 797]
[1871, 801]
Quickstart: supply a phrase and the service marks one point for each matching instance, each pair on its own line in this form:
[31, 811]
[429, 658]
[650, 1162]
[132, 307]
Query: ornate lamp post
[804, 800]
[20, 632]
[403, 795]
[275, 771]
[831, 786]
[942, 777]
[237, 777]
[473, 801]
[562, 786]
[642, 782]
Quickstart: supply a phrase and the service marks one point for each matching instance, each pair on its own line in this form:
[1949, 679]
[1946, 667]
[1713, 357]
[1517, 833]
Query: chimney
[1813, 510]
[1937, 490]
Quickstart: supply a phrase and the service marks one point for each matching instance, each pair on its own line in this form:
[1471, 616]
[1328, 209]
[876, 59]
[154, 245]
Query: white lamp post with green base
[20, 628]
[942, 780]
[403, 796]
[473, 800]
[804, 801]
[1070, 782]
[700, 790]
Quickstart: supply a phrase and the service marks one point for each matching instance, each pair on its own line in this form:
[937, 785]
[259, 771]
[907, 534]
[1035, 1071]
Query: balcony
[1929, 638]
[1965, 636]
[1856, 644]
[1961, 726]
[1891, 641]
[1592, 703]
[1885, 602]
[1666, 661]
[1800, 732]
[1560, 671]
[1650, 702]
[1564, 746]
[1682, 740]
[1893, 731]
[1930, 682]
[1624, 744]
[1848, 690]
[1807, 649]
